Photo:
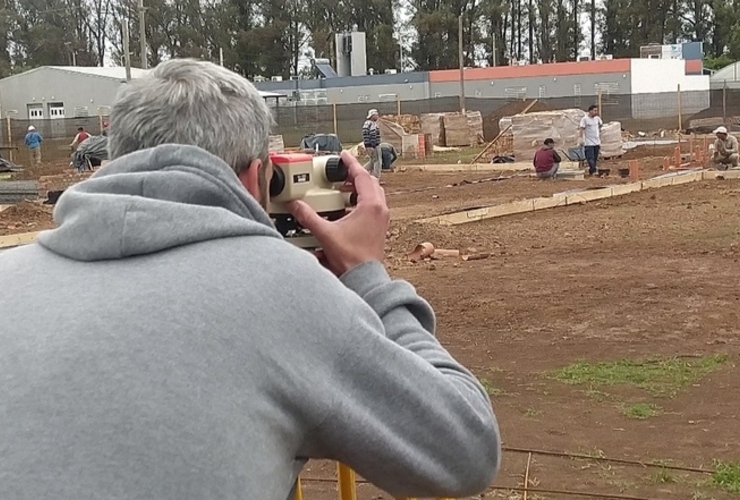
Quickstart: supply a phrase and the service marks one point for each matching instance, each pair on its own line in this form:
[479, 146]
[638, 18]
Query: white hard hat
[720, 130]
[372, 113]
[31, 127]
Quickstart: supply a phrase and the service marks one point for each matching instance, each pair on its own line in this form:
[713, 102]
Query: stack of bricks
[421, 148]
[60, 182]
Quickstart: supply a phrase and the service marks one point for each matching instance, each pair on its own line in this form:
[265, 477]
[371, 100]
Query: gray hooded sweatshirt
[164, 342]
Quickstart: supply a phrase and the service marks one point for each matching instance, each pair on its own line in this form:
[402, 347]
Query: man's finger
[307, 217]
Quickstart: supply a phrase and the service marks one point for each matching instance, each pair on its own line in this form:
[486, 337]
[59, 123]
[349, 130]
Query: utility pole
[126, 51]
[142, 34]
[221, 56]
[493, 38]
[462, 63]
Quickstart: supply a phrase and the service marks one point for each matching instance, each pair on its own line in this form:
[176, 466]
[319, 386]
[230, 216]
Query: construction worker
[546, 160]
[388, 155]
[79, 138]
[590, 137]
[371, 141]
[33, 143]
[725, 150]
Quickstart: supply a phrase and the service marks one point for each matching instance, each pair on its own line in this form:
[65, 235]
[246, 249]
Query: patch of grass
[641, 411]
[490, 388]
[659, 377]
[664, 477]
[532, 413]
[727, 476]
[599, 396]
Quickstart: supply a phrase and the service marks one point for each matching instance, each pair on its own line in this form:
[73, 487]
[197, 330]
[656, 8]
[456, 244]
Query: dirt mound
[25, 217]
[490, 122]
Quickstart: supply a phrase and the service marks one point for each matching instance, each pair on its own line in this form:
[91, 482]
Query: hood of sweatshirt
[153, 200]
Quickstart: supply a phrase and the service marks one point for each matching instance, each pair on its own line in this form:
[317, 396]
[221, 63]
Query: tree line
[272, 37]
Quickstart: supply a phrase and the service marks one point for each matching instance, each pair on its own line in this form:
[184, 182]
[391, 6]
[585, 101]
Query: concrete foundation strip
[577, 197]
[566, 198]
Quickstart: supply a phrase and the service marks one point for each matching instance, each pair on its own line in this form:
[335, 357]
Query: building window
[609, 93]
[543, 92]
[577, 95]
[363, 98]
[81, 112]
[515, 93]
[35, 112]
[437, 95]
[56, 110]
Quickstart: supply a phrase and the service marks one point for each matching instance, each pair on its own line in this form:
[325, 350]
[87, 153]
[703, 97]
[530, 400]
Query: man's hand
[358, 237]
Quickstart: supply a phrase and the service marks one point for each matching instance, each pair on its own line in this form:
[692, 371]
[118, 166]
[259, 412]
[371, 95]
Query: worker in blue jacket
[33, 142]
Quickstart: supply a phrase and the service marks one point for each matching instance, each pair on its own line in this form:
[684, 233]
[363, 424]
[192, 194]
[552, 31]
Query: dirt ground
[651, 275]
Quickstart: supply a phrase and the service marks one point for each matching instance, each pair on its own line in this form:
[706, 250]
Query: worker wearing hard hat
[371, 141]
[33, 143]
[725, 150]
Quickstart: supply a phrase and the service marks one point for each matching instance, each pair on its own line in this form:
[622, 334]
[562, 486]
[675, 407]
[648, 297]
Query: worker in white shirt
[590, 137]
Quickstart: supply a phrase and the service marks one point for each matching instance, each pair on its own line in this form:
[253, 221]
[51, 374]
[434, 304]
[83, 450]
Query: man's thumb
[307, 217]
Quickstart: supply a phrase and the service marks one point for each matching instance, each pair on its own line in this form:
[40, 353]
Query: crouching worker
[725, 150]
[388, 155]
[547, 160]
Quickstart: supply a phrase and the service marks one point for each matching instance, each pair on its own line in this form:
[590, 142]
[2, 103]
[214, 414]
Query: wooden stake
[526, 477]
[10, 140]
[680, 117]
[398, 105]
[334, 117]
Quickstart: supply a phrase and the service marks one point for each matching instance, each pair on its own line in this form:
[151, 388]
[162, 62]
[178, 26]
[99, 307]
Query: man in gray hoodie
[166, 342]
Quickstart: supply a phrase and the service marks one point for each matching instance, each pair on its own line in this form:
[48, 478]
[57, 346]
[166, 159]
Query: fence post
[398, 105]
[680, 117]
[347, 486]
[598, 103]
[334, 117]
[724, 103]
[10, 142]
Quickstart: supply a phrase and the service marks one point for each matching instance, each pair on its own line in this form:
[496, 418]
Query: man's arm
[404, 413]
[400, 411]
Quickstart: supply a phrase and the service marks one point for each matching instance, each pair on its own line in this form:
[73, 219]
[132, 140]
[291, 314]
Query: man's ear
[249, 178]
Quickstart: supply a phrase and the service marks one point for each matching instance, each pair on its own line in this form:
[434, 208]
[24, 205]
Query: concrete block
[588, 195]
[571, 175]
[729, 174]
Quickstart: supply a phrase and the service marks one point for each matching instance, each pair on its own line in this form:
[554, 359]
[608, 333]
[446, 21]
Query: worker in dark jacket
[547, 160]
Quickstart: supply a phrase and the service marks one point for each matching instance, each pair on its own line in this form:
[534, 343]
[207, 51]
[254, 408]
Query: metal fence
[636, 112]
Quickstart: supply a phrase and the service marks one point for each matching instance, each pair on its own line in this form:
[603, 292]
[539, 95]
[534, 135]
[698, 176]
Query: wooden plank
[588, 195]
[548, 202]
[657, 182]
[515, 207]
[568, 166]
[687, 177]
[622, 189]
[14, 240]
[488, 146]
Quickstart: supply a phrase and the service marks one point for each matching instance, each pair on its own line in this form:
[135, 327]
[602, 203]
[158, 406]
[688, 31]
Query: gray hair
[186, 101]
